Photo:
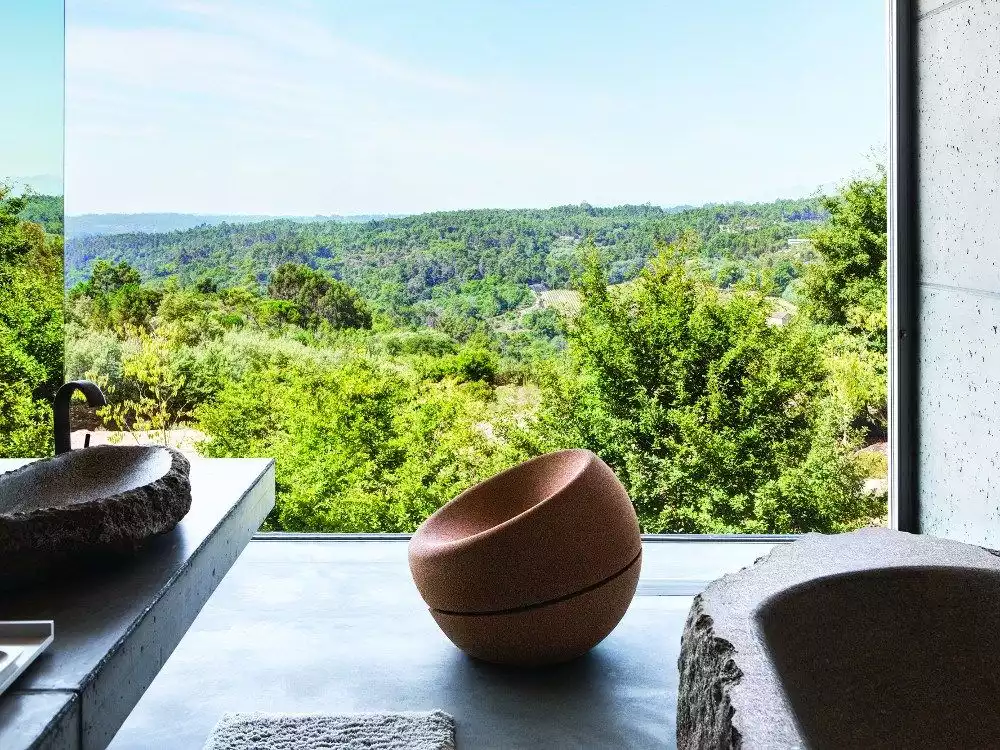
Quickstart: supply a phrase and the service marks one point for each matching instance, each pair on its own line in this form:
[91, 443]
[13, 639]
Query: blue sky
[394, 106]
[31, 58]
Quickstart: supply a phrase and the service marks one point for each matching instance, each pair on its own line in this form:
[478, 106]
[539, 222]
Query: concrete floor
[337, 626]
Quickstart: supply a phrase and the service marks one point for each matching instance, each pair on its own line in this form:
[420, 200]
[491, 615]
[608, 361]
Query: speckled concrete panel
[925, 7]
[959, 460]
[959, 145]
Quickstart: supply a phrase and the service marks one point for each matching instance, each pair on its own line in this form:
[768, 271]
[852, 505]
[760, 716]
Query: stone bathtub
[873, 639]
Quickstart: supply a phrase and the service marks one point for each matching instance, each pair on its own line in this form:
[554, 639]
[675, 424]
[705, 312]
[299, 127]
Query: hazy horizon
[388, 215]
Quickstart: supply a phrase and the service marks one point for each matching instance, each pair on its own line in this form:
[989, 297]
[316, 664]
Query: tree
[206, 285]
[108, 278]
[397, 262]
[848, 286]
[846, 291]
[119, 300]
[185, 317]
[391, 363]
[44, 210]
[711, 417]
[158, 404]
[318, 298]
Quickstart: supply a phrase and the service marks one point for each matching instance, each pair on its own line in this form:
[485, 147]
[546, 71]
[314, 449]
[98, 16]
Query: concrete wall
[958, 189]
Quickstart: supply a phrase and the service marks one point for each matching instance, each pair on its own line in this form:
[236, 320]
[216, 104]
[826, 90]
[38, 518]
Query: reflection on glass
[31, 224]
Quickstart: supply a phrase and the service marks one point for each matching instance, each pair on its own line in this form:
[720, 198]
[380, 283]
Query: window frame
[902, 267]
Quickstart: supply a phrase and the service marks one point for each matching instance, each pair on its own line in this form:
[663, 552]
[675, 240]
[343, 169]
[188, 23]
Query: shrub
[359, 446]
[475, 364]
[422, 342]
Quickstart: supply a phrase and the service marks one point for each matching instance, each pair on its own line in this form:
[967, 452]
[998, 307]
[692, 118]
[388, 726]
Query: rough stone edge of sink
[60, 526]
[179, 466]
[711, 648]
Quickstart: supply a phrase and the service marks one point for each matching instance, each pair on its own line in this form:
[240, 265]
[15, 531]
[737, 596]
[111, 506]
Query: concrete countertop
[115, 629]
[355, 635]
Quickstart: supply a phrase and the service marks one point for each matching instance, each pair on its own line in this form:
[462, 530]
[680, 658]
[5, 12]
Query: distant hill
[100, 224]
[401, 260]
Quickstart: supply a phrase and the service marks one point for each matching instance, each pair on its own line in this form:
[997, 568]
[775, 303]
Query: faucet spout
[60, 407]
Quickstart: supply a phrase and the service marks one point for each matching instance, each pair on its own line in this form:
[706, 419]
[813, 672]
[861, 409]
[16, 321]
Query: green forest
[728, 361]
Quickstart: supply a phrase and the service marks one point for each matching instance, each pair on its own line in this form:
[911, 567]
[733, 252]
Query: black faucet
[95, 398]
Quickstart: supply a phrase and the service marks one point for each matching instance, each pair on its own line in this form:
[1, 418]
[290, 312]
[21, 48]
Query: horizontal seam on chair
[547, 602]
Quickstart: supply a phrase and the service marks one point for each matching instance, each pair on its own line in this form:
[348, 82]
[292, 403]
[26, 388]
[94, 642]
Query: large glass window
[401, 246]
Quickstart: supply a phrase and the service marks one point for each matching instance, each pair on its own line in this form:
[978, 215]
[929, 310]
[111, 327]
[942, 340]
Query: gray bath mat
[378, 731]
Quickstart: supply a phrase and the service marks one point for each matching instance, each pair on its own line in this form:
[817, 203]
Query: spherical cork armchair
[536, 565]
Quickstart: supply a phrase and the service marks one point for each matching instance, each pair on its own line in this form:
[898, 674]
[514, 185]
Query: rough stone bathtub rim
[728, 683]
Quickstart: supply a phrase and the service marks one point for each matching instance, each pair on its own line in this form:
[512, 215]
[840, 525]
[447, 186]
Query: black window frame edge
[902, 267]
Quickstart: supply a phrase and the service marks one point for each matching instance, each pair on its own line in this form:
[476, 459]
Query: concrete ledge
[48, 720]
[115, 629]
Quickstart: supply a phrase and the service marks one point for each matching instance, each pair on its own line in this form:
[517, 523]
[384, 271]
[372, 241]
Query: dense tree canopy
[710, 415]
[44, 210]
[116, 297]
[31, 329]
[389, 364]
[395, 263]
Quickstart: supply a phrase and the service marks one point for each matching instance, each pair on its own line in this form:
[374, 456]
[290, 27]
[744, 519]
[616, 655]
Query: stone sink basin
[873, 639]
[87, 505]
